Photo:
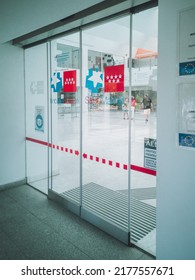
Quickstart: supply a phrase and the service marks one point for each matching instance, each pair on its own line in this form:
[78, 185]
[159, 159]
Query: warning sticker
[150, 153]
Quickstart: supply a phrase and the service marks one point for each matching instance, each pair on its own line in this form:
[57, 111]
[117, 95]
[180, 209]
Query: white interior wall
[12, 141]
[175, 170]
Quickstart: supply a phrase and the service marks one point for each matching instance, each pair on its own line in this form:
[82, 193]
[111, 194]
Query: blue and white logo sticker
[39, 118]
[94, 80]
[56, 82]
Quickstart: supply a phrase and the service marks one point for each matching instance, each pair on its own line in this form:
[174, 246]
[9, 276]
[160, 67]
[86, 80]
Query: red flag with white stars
[114, 78]
[70, 81]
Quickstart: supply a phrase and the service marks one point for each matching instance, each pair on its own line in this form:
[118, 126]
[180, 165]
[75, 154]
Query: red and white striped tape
[95, 158]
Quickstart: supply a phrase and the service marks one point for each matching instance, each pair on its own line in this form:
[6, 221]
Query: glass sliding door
[65, 117]
[36, 88]
[91, 124]
[143, 130]
[105, 128]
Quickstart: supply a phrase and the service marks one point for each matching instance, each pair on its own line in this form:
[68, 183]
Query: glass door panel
[65, 120]
[36, 87]
[143, 130]
[105, 125]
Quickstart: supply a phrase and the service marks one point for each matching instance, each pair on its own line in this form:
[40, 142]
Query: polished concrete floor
[33, 227]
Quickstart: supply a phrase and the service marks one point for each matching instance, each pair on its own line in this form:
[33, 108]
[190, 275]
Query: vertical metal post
[129, 138]
[25, 120]
[81, 119]
[49, 118]
[47, 103]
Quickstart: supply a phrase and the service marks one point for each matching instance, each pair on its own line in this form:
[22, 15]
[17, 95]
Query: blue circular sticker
[39, 121]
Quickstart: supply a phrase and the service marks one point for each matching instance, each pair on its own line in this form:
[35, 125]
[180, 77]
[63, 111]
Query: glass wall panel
[106, 121]
[65, 112]
[36, 87]
[143, 129]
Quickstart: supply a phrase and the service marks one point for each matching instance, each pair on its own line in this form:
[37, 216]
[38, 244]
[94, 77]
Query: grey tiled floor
[33, 227]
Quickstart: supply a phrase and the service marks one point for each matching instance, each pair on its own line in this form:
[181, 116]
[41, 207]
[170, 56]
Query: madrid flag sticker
[70, 81]
[114, 78]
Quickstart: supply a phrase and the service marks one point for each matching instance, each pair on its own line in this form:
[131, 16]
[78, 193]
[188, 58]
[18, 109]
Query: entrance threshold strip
[112, 206]
[94, 158]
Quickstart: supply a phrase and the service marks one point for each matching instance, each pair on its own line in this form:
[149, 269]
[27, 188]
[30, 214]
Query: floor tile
[33, 227]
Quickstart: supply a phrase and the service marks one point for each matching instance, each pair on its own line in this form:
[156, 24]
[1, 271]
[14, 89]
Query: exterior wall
[12, 141]
[176, 176]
